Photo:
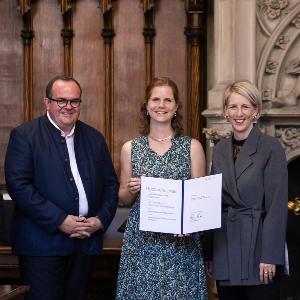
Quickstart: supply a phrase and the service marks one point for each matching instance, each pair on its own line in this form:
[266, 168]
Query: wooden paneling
[108, 34]
[128, 71]
[149, 34]
[47, 49]
[196, 51]
[11, 74]
[170, 46]
[113, 48]
[88, 61]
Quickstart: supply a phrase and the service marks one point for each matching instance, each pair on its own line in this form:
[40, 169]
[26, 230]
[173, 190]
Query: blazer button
[76, 199]
[66, 160]
[62, 141]
[71, 179]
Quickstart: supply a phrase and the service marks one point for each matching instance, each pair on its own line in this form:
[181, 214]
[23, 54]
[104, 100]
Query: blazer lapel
[244, 161]
[229, 171]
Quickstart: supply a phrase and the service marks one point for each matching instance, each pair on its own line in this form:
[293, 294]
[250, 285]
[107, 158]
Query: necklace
[162, 139]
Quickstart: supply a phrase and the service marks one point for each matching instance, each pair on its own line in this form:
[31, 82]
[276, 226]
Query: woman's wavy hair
[176, 122]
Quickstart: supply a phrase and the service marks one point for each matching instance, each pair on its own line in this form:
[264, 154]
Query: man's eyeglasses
[61, 102]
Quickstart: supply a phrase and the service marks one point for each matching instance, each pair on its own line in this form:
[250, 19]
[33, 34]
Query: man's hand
[87, 227]
[70, 224]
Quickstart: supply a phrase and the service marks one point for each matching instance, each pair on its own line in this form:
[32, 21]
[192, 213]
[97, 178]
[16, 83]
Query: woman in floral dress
[159, 265]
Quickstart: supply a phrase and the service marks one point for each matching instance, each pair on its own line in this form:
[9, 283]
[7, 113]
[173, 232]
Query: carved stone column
[149, 33]
[195, 33]
[67, 35]
[232, 56]
[108, 35]
[27, 36]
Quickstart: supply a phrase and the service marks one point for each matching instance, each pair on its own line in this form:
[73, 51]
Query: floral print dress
[158, 265]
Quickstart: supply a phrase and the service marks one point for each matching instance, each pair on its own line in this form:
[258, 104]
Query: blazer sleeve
[19, 175]
[110, 190]
[276, 197]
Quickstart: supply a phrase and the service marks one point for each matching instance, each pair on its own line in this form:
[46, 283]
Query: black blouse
[237, 147]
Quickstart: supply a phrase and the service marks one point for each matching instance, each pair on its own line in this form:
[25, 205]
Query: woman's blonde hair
[246, 89]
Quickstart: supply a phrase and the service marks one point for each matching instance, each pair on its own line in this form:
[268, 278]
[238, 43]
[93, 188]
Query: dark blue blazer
[40, 182]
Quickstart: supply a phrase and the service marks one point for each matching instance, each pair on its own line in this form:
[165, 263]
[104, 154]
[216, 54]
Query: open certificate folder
[179, 207]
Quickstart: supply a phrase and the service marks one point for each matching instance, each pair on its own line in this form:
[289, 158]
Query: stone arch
[276, 51]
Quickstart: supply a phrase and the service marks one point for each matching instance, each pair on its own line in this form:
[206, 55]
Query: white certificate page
[161, 205]
[202, 203]
[165, 209]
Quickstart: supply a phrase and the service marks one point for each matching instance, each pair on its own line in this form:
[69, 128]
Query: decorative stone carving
[273, 8]
[292, 68]
[215, 135]
[266, 95]
[282, 41]
[289, 137]
[271, 67]
[296, 21]
[278, 70]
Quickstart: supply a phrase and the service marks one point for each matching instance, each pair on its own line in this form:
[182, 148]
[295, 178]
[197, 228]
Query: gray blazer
[254, 208]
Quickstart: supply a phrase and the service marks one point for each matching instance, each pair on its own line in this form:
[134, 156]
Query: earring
[147, 113]
[175, 114]
[254, 117]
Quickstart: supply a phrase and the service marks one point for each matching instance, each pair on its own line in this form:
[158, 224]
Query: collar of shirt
[61, 132]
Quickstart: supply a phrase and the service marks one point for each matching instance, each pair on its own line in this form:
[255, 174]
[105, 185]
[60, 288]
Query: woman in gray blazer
[248, 249]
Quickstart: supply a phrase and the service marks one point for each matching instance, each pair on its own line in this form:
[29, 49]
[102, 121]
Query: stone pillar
[234, 57]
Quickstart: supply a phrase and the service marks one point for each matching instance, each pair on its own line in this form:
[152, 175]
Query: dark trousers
[269, 291]
[56, 277]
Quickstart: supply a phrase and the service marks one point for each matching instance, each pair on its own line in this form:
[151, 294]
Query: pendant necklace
[162, 139]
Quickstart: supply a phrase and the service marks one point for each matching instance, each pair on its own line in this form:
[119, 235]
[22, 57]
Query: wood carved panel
[88, 59]
[112, 47]
[11, 74]
[169, 47]
[47, 49]
[128, 71]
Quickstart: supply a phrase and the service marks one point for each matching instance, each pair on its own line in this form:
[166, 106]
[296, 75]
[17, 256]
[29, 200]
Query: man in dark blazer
[61, 178]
